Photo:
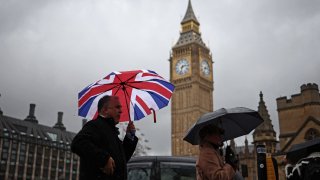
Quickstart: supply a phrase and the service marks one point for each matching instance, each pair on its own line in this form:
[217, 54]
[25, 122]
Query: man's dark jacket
[95, 143]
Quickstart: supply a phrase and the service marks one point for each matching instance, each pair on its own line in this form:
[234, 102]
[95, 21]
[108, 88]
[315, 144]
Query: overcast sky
[50, 50]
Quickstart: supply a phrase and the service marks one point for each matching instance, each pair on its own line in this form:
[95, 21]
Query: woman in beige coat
[210, 164]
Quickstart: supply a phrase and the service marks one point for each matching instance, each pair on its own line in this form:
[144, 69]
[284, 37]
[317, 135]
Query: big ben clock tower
[191, 73]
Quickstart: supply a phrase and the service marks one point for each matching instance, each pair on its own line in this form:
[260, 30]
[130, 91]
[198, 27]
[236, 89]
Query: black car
[161, 168]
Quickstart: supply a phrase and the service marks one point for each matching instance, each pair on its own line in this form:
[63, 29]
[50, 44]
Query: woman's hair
[210, 130]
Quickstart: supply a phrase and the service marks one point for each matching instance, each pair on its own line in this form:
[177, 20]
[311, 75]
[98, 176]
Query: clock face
[205, 69]
[182, 67]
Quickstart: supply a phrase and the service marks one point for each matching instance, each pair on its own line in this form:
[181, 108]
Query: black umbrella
[298, 151]
[236, 122]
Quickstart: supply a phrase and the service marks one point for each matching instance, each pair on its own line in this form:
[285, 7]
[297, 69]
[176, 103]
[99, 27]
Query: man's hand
[231, 158]
[131, 128]
[109, 167]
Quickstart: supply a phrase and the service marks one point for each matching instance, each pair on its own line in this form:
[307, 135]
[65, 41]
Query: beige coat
[210, 165]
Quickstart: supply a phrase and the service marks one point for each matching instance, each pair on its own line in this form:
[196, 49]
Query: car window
[139, 171]
[177, 171]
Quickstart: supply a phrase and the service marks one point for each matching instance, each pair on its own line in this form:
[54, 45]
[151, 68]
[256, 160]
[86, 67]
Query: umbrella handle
[154, 115]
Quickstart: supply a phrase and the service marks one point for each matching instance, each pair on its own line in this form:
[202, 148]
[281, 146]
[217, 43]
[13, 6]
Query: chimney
[60, 114]
[59, 124]
[31, 117]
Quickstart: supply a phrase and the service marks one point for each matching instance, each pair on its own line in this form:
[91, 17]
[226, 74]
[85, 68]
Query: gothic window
[311, 134]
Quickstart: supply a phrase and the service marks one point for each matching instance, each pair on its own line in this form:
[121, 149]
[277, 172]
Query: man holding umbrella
[210, 164]
[211, 129]
[140, 92]
[102, 154]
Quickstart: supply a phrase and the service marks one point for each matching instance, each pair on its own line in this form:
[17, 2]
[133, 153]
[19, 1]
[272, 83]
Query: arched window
[311, 134]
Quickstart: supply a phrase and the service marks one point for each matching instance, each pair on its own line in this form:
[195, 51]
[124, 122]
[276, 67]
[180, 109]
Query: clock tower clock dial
[205, 68]
[182, 66]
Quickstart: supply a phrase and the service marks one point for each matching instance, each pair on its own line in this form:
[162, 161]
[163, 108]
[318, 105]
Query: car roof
[162, 158]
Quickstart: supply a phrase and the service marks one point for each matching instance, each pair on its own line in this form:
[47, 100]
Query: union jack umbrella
[140, 92]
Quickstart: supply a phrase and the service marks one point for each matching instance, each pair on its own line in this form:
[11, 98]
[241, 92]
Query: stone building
[31, 151]
[299, 116]
[191, 73]
[299, 121]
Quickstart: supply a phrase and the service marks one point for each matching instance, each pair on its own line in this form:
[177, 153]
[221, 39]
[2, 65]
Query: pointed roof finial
[246, 147]
[261, 96]
[189, 14]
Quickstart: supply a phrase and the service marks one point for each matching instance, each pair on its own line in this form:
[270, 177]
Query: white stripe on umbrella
[106, 81]
[93, 109]
[97, 84]
[139, 77]
[147, 99]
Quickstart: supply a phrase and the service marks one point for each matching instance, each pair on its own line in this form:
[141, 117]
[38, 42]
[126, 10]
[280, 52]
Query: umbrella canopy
[140, 92]
[298, 151]
[235, 122]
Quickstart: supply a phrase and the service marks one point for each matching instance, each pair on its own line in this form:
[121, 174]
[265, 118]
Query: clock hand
[182, 67]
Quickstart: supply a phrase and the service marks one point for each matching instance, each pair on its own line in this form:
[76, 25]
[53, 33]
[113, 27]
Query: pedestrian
[306, 168]
[210, 164]
[103, 156]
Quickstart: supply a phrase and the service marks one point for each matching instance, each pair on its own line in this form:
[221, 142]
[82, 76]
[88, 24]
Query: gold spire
[190, 22]
[189, 16]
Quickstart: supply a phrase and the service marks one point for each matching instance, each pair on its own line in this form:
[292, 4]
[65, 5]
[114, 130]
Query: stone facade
[299, 116]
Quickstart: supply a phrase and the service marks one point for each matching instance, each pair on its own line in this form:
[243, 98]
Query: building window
[5, 143]
[5, 155]
[3, 167]
[22, 147]
[20, 170]
[13, 156]
[22, 158]
[14, 145]
[311, 134]
[12, 168]
[52, 136]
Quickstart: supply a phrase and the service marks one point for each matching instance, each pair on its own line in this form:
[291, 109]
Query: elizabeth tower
[191, 73]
